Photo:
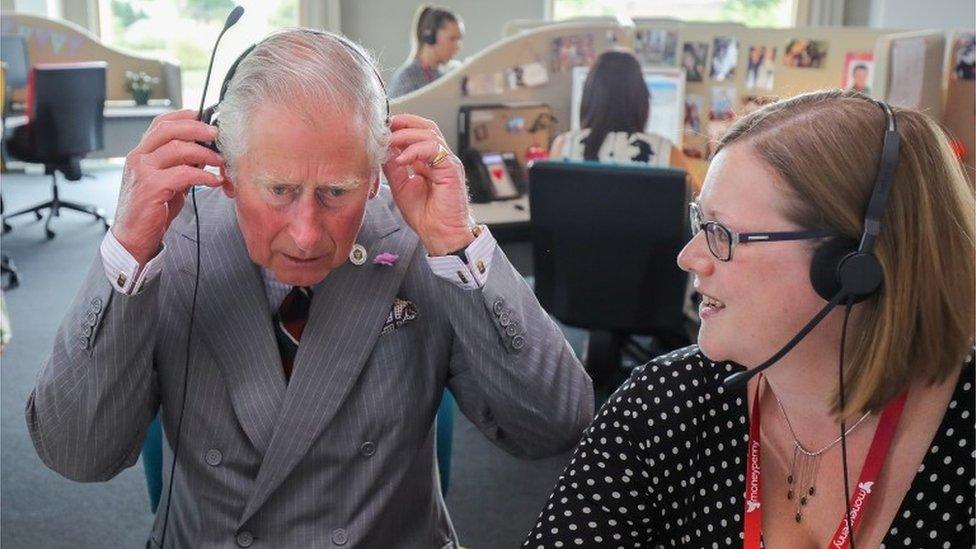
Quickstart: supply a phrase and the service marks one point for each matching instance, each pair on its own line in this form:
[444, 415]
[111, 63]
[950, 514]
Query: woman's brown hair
[826, 147]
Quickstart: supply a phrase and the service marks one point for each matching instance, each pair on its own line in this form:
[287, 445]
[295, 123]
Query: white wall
[383, 26]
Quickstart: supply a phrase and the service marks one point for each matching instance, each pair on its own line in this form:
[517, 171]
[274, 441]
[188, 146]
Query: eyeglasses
[722, 240]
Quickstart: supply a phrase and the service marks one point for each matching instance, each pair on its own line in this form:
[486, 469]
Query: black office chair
[65, 118]
[604, 242]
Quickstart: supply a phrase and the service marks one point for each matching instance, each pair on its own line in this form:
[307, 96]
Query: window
[755, 13]
[185, 30]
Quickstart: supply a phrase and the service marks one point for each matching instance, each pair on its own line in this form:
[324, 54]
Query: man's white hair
[305, 71]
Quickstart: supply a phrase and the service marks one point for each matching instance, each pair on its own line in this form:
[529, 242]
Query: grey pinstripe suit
[341, 455]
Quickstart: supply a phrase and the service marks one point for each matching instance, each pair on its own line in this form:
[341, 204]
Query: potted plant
[140, 85]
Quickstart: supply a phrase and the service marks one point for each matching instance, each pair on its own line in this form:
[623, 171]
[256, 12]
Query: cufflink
[121, 280]
[464, 279]
[480, 264]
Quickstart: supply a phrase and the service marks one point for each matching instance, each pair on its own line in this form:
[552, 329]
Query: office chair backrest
[605, 239]
[65, 105]
[13, 52]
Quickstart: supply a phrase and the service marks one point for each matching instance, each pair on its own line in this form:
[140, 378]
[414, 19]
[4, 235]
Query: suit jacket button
[339, 536]
[504, 319]
[244, 539]
[96, 304]
[368, 448]
[512, 328]
[213, 458]
[518, 342]
[498, 306]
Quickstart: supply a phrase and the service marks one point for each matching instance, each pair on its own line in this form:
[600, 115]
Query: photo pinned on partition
[725, 56]
[760, 68]
[858, 71]
[693, 59]
[572, 51]
[964, 56]
[805, 53]
[723, 103]
[656, 47]
[694, 104]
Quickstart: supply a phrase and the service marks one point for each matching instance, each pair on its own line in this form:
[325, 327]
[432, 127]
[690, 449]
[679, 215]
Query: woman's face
[448, 43]
[753, 304]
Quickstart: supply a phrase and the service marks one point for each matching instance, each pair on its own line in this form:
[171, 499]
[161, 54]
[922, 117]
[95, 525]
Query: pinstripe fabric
[343, 453]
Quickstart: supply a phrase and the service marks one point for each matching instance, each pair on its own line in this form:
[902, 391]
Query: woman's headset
[843, 265]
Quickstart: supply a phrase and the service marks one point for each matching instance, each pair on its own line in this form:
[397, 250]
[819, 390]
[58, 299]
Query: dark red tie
[290, 323]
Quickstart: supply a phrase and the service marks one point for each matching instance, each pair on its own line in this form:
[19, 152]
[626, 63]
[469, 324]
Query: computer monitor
[13, 52]
[667, 87]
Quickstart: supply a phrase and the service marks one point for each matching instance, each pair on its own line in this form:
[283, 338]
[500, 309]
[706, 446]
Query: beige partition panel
[829, 54]
[441, 99]
[58, 41]
[910, 70]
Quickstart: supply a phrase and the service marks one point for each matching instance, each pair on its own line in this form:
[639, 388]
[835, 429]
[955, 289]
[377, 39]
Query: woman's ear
[226, 184]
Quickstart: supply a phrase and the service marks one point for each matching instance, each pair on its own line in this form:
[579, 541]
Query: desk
[124, 126]
[507, 219]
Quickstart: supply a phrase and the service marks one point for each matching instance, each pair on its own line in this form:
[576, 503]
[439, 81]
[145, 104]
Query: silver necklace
[806, 464]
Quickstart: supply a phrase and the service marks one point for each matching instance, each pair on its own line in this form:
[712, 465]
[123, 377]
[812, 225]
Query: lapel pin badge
[386, 258]
[358, 254]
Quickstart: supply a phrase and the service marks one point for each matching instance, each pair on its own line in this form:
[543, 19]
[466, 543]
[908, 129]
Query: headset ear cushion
[824, 269]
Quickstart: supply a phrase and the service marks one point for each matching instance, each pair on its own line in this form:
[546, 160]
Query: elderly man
[388, 293]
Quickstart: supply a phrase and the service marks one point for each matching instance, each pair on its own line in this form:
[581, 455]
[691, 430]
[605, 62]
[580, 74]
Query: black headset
[843, 265]
[430, 23]
[844, 270]
[211, 112]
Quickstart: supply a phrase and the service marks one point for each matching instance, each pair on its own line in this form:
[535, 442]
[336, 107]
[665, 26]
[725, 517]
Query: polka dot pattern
[661, 466]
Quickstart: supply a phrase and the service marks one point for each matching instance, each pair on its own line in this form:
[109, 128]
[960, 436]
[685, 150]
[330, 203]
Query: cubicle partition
[534, 64]
[60, 41]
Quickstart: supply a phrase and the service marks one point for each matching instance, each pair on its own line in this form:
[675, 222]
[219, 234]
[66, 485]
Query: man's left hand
[428, 184]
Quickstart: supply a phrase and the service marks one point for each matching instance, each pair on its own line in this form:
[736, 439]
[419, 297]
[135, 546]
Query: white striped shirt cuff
[473, 274]
[123, 270]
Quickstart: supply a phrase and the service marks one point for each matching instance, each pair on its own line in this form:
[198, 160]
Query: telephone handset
[493, 176]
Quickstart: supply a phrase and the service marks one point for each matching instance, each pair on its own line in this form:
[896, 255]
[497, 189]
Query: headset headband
[345, 42]
[882, 182]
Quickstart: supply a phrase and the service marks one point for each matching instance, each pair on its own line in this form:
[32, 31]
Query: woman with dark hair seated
[436, 40]
[677, 457]
[614, 111]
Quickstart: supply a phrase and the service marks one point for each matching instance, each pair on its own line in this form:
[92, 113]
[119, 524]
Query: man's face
[860, 78]
[300, 190]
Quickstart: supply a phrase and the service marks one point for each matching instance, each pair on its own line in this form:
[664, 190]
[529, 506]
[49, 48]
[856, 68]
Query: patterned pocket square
[403, 311]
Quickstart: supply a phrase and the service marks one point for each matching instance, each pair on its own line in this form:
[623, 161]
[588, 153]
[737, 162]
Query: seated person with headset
[436, 40]
[828, 197]
[614, 111]
[332, 312]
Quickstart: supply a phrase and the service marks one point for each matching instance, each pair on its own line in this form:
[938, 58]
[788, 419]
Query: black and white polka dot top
[662, 466]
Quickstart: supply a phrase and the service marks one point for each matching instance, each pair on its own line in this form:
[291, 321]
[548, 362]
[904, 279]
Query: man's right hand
[157, 174]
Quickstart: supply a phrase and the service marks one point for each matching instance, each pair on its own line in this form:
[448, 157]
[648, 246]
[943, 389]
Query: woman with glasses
[676, 459]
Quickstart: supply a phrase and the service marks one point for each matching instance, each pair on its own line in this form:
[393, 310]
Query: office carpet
[494, 498]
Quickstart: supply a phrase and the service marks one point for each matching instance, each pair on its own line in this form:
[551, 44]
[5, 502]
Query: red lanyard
[859, 501]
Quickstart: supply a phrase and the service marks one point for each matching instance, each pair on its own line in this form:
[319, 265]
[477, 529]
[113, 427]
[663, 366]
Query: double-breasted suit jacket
[343, 453]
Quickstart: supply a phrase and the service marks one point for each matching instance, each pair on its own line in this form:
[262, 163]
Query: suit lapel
[234, 319]
[348, 310]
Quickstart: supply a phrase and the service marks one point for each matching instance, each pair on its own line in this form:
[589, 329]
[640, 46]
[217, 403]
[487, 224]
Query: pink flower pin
[386, 258]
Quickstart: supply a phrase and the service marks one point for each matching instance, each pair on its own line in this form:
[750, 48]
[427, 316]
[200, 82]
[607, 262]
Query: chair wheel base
[38, 215]
[49, 233]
